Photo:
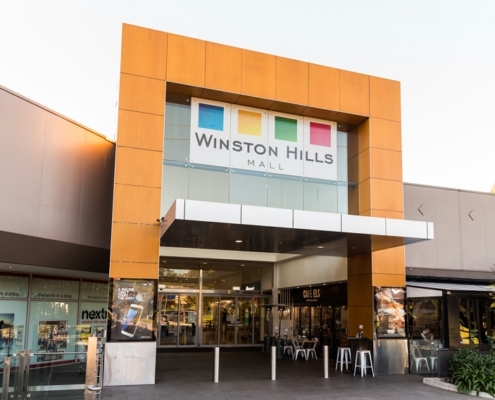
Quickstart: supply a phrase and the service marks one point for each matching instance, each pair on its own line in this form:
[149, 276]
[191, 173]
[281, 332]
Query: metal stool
[343, 356]
[361, 356]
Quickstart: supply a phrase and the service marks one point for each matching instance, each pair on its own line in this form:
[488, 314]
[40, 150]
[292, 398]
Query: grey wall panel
[97, 183]
[56, 176]
[22, 129]
[58, 225]
[490, 229]
[19, 216]
[62, 165]
[447, 228]
[473, 240]
[94, 232]
[463, 244]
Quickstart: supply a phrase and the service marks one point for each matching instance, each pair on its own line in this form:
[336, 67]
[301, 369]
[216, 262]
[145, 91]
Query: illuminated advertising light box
[132, 310]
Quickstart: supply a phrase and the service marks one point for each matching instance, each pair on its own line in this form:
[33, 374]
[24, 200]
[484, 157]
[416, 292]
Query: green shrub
[471, 370]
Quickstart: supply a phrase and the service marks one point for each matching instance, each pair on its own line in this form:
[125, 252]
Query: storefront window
[476, 320]
[14, 286]
[179, 278]
[390, 312]
[425, 319]
[54, 289]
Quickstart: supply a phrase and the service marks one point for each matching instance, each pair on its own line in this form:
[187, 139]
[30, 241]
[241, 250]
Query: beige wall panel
[389, 261]
[135, 243]
[291, 81]
[387, 214]
[258, 74]
[133, 270]
[223, 67]
[136, 204]
[142, 94]
[354, 93]
[361, 316]
[138, 167]
[186, 60]
[385, 164]
[144, 52]
[364, 196]
[364, 165]
[140, 130]
[387, 195]
[360, 290]
[324, 87]
[363, 131]
[385, 134]
[384, 98]
[389, 280]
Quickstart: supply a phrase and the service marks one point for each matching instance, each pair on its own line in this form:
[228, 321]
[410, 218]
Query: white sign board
[238, 137]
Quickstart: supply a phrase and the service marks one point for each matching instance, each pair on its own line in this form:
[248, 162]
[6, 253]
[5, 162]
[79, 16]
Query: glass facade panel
[208, 185]
[183, 180]
[211, 317]
[179, 278]
[248, 188]
[320, 196]
[285, 192]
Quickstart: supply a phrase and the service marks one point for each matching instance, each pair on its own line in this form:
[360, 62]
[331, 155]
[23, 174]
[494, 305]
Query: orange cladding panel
[223, 68]
[144, 52]
[133, 270]
[386, 164]
[186, 60]
[140, 130]
[324, 87]
[364, 165]
[135, 243]
[388, 261]
[364, 196]
[391, 280]
[387, 195]
[258, 74]
[292, 80]
[384, 99]
[387, 214]
[354, 93]
[385, 134]
[142, 94]
[138, 167]
[360, 290]
[129, 200]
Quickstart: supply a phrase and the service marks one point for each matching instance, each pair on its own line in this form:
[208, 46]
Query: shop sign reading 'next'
[237, 137]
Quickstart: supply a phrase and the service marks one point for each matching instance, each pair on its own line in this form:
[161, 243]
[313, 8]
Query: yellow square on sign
[249, 123]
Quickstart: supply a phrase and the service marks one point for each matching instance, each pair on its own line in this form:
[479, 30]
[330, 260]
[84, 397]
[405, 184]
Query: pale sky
[65, 54]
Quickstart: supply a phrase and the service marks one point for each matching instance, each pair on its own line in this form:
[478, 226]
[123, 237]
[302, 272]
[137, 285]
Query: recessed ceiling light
[10, 267]
[238, 241]
[242, 265]
[204, 263]
[321, 247]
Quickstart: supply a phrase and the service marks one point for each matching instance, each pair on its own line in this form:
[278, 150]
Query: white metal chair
[417, 357]
[312, 349]
[298, 349]
[288, 347]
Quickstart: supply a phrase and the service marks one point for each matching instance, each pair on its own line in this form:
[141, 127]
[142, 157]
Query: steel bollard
[325, 361]
[274, 362]
[216, 365]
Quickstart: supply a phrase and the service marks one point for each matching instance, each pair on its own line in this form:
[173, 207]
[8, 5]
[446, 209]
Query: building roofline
[55, 113]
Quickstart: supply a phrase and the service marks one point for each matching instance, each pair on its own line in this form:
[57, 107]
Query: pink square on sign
[319, 134]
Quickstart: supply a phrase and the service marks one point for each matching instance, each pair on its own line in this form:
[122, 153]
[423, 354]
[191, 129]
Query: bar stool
[361, 356]
[343, 356]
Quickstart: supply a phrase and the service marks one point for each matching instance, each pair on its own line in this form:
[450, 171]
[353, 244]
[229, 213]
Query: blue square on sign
[210, 117]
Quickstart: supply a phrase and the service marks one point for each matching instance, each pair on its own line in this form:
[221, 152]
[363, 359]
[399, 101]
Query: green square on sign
[286, 129]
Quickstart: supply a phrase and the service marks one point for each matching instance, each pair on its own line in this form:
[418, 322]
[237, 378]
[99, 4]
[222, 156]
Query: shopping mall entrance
[211, 303]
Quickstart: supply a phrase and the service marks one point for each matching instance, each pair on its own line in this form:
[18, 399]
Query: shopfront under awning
[220, 226]
[457, 287]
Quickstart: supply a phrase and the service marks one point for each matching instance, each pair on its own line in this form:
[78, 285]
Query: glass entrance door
[178, 323]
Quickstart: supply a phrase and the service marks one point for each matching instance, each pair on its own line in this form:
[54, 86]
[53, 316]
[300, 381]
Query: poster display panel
[132, 310]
